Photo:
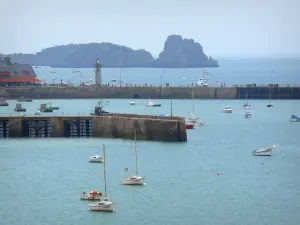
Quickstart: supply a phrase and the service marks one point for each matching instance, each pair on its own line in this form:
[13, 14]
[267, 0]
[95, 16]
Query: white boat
[294, 118]
[246, 104]
[248, 115]
[151, 103]
[38, 113]
[104, 205]
[91, 195]
[96, 158]
[134, 180]
[263, 151]
[193, 118]
[227, 109]
[132, 103]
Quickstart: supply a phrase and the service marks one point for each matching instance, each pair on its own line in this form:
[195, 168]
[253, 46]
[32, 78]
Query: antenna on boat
[104, 155]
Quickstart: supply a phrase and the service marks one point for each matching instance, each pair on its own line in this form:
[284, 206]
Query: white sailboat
[246, 104]
[193, 118]
[104, 204]
[136, 179]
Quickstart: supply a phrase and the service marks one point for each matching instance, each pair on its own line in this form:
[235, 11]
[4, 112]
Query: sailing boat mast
[193, 96]
[270, 86]
[104, 155]
[136, 157]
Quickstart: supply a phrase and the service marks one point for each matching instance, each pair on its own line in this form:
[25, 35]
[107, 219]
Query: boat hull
[104, 207]
[128, 181]
[89, 197]
[294, 120]
[267, 152]
[20, 110]
[3, 104]
[227, 111]
[96, 160]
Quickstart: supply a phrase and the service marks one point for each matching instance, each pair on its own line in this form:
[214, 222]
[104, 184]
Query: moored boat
[96, 158]
[263, 151]
[227, 109]
[136, 179]
[189, 125]
[3, 102]
[19, 108]
[294, 118]
[248, 115]
[151, 103]
[91, 195]
[132, 103]
[45, 109]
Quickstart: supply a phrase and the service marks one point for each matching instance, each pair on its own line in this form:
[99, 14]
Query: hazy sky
[223, 27]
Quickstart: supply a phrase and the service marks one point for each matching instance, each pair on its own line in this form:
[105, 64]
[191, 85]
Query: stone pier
[154, 128]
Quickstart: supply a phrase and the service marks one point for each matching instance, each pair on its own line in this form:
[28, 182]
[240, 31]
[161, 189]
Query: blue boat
[294, 118]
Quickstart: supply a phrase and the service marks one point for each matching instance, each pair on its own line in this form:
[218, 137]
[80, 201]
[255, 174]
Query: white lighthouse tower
[98, 78]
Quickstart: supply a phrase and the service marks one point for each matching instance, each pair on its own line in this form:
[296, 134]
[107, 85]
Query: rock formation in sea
[177, 53]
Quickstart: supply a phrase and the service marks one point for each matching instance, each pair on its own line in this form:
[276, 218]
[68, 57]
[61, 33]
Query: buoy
[273, 146]
[218, 174]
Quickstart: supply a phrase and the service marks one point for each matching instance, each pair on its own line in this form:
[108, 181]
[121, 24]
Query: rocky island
[177, 53]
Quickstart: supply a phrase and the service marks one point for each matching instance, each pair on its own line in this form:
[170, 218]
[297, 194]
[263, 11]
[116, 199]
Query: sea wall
[119, 92]
[85, 92]
[168, 129]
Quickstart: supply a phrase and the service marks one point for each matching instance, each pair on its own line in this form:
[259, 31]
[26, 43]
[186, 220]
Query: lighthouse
[98, 78]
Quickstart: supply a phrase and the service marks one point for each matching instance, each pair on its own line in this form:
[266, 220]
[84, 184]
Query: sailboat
[246, 104]
[270, 91]
[136, 179]
[114, 79]
[104, 204]
[193, 119]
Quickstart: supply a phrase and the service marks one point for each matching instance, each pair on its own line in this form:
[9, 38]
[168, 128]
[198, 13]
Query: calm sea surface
[231, 71]
[41, 179]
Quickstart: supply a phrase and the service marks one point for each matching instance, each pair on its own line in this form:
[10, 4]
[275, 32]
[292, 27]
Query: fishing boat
[136, 179]
[99, 108]
[189, 125]
[269, 105]
[104, 205]
[19, 108]
[227, 109]
[50, 106]
[248, 115]
[263, 151]
[96, 158]
[294, 118]
[3, 102]
[132, 103]
[45, 109]
[91, 195]
[151, 103]
[246, 104]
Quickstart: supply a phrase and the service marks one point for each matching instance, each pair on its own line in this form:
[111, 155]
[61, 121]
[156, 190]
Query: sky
[225, 28]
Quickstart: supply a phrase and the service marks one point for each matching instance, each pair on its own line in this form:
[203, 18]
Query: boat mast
[136, 157]
[193, 96]
[270, 86]
[104, 155]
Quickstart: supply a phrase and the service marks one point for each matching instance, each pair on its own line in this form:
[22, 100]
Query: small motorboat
[3, 102]
[91, 195]
[294, 118]
[263, 151]
[44, 108]
[151, 103]
[132, 103]
[19, 108]
[248, 115]
[38, 113]
[133, 180]
[50, 106]
[227, 109]
[270, 105]
[96, 158]
[105, 206]
[189, 125]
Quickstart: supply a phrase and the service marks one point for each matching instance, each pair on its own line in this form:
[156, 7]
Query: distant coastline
[178, 53]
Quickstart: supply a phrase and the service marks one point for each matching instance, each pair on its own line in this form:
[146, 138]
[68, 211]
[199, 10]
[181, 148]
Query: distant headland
[178, 53]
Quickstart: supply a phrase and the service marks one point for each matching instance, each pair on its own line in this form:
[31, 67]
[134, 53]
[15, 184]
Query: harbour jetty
[144, 92]
[154, 128]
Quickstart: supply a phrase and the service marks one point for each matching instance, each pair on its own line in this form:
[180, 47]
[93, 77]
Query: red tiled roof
[19, 79]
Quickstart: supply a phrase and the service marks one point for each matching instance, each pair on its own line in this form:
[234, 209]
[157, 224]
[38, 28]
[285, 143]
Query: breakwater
[155, 128]
[86, 92]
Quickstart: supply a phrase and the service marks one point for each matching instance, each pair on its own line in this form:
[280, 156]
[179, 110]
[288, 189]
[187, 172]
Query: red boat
[189, 126]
